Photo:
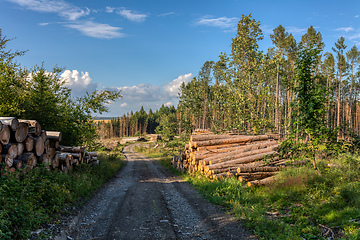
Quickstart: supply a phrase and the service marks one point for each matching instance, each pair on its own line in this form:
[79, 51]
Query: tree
[341, 67]
[311, 101]
[353, 56]
[329, 72]
[246, 59]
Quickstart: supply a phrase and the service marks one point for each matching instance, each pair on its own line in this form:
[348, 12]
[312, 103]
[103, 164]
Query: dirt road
[146, 201]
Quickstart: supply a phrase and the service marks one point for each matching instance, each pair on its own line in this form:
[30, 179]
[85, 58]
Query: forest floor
[146, 201]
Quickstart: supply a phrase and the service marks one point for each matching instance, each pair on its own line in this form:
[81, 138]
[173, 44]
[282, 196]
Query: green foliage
[41, 95]
[27, 202]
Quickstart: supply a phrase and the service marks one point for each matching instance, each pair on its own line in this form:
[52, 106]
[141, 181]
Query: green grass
[28, 201]
[300, 205]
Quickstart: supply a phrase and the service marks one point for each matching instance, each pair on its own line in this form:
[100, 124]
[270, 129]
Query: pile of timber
[251, 158]
[24, 145]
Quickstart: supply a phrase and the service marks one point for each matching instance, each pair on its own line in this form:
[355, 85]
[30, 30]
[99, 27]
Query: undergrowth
[301, 205]
[30, 200]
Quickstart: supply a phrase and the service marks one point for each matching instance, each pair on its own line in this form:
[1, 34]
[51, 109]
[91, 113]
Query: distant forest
[255, 91]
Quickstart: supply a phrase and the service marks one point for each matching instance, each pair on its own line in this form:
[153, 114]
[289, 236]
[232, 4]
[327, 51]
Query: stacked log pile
[24, 145]
[251, 158]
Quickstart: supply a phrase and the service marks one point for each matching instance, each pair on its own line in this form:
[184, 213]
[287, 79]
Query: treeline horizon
[255, 91]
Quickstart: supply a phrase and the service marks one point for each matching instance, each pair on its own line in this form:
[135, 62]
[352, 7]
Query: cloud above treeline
[148, 95]
[78, 82]
[133, 97]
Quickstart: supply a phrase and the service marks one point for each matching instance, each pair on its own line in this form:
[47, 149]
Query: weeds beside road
[27, 202]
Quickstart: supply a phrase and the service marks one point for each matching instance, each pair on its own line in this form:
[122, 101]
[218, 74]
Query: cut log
[241, 139]
[196, 138]
[55, 161]
[235, 162]
[68, 149]
[247, 169]
[11, 149]
[12, 122]
[256, 175]
[92, 154]
[28, 157]
[64, 159]
[54, 136]
[38, 146]
[21, 148]
[46, 145]
[239, 150]
[265, 181]
[209, 148]
[17, 163]
[5, 135]
[255, 145]
[34, 126]
[239, 154]
[29, 143]
[20, 134]
[7, 159]
[51, 152]
[43, 134]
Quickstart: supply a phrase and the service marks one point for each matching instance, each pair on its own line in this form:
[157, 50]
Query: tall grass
[28, 201]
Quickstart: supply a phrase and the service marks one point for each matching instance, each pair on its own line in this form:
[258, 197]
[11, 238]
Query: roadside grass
[38, 197]
[300, 205]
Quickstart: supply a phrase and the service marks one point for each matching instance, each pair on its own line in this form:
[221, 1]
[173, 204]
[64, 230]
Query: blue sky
[147, 48]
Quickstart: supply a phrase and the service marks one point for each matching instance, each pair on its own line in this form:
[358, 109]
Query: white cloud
[141, 92]
[134, 17]
[345, 29]
[60, 7]
[172, 89]
[357, 16]
[222, 22]
[97, 30]
[109, 9]
[80, 83]
[147, 95]
[355, 36]
[166, 14]
[296, 30]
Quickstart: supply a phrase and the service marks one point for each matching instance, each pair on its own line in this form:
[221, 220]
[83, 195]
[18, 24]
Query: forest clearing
[271, 137]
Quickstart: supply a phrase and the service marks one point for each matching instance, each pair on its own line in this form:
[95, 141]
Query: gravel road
[146, 201]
